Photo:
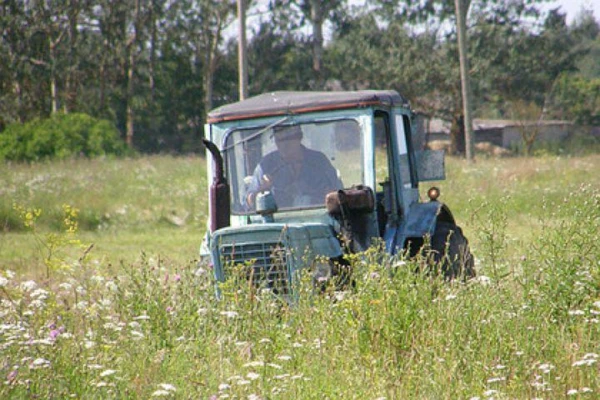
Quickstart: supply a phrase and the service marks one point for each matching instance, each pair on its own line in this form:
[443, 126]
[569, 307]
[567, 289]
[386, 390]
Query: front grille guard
[264, 265]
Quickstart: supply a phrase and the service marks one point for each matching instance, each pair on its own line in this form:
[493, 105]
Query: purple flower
[54, 333]
[177, 277]
[12, 375]
[169, 309]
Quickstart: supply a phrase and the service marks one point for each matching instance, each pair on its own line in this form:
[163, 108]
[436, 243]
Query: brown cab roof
[284, 103]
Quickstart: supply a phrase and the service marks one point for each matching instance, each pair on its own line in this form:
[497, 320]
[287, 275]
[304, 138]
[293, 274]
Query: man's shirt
[301, 185]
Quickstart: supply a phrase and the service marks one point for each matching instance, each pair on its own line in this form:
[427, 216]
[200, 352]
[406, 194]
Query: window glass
[299, 164]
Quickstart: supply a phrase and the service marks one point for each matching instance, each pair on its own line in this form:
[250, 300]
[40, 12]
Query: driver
[296, 175]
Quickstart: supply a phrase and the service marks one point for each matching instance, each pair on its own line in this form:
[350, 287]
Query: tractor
[352, 183]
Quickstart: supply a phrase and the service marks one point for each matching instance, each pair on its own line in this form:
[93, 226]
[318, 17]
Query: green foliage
[577, 99]
[60, 137]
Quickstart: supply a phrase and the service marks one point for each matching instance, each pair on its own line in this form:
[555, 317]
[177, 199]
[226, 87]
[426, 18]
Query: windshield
[299, 164]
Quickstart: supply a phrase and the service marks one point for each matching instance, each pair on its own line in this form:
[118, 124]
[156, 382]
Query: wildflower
[65, 286]
[450, 297]
[546, 368]
[572, 392]
[54, 334]
[284, 358]
[496, 379]
[141, 317]
[254, 397]
[229, 314]
[80, 290]
[12, 375]
[265, 340]
[168, 387]
[177, 277]
[40, 363]
[3, 281]
[489, 393]
[111, 286]
[28, 286]
[107, 372]
[254, 364]
[252, 376]
[576, 312]
[224, 386]
[161, 392]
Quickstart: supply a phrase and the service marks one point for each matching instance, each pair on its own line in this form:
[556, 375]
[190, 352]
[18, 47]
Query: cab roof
[290, 102]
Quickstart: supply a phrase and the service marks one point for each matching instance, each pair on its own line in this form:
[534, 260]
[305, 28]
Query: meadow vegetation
[102, 294]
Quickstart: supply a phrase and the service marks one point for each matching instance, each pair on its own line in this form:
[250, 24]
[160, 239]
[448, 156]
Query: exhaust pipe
[219, 195]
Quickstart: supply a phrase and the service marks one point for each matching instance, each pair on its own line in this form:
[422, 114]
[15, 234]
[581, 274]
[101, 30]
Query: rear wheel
[450, 253]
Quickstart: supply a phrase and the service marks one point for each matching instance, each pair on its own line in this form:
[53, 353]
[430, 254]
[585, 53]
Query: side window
[382, 162]
[404, 161]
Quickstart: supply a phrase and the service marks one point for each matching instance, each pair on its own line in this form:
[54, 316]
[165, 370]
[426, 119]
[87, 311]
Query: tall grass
[526, 327]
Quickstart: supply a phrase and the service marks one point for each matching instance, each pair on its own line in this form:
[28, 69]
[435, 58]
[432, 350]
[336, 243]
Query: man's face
[289, 146]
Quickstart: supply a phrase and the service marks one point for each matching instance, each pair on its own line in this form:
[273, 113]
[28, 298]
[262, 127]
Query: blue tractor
[299, 179]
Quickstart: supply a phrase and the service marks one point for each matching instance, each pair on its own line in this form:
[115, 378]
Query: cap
[287, 132]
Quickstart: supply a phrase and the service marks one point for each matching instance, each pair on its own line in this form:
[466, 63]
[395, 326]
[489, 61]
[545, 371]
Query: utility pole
[462, 7]
[242, 60]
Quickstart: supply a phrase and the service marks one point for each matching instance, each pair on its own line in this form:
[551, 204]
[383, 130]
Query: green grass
[136, 311]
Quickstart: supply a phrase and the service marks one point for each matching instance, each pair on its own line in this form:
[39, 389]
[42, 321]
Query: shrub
[60, 136]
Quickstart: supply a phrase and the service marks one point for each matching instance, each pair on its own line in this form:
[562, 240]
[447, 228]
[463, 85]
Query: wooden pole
[461, 14]
[242, 60]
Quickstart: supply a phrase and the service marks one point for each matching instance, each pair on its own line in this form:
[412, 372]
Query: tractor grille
[264, 264]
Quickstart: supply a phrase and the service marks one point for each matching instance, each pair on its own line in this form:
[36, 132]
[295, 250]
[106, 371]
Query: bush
[60, 136]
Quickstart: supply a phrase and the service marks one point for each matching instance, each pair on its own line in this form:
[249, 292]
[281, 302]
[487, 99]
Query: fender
[419, 221]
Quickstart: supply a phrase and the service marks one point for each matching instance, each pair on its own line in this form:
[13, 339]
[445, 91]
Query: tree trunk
[457, 136]
[131, 46]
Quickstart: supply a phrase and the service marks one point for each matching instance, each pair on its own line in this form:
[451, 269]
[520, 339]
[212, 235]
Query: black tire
[449, 251]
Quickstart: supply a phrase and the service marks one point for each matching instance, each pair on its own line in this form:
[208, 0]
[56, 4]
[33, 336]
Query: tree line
[156, 67]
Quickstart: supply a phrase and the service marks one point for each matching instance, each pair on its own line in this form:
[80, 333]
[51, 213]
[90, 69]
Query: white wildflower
[489, 393]
[97, 279]
[40, 363]
[95, 366]
[107, 372]
[265, 340]
[82, 305]
[572, 392]
[3, 281]
[450, 297]
[243, 382]
[37, 303]
[252, 376]
[168, 387]
[28, 286]
[546, 368]
[229, 314]
[496, 379]
[254, 364]
[137, 334]
[586, 390]
[9, 274]
[65, 286]
[101, 384]
[141, 317]
[224, 386]
[111, 286]
[284, 358]
[80, 290]
[254, 397]
[161, 392]
[576, 312]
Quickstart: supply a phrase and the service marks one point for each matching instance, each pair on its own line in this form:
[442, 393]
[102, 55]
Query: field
[102, 295]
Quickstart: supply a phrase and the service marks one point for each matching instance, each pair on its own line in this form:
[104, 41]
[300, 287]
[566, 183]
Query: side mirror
[430, 165]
